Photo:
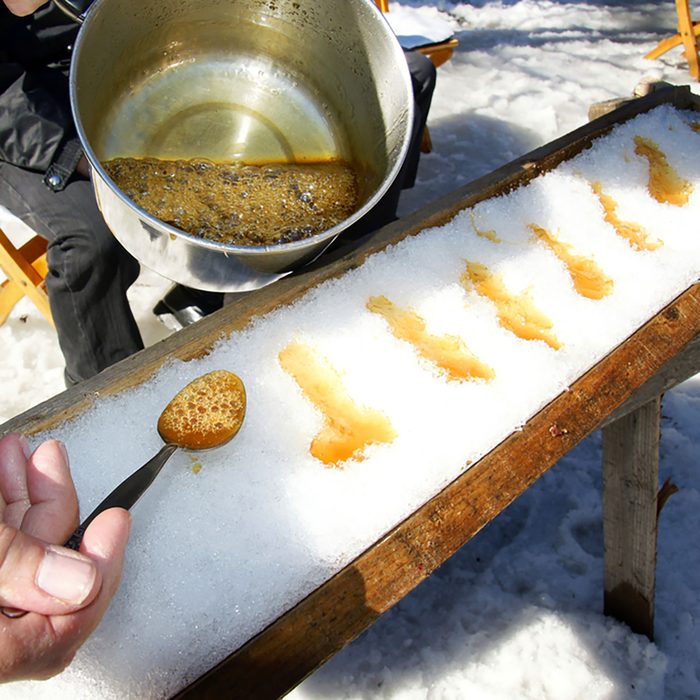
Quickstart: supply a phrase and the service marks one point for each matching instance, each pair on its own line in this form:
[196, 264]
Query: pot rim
[239, 250]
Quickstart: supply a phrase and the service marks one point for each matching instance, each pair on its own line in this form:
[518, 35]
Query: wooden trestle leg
[630, 485]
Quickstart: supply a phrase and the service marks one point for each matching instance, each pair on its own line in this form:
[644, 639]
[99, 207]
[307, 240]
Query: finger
[53, 514]
[23, 7]
[44, 578]
[105, 542]
[14, 452]
[46, 645]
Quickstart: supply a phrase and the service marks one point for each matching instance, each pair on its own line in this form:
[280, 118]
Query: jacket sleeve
[36, 124]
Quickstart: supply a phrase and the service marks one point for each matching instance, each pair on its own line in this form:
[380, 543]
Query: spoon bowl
[206, 413]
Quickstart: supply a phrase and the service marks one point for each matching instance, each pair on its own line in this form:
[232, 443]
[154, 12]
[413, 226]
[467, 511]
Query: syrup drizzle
[633, 233]
[489, 234]
[448, 352]
[348, 428]
[589, 280]
[665, 184]
[516, 312]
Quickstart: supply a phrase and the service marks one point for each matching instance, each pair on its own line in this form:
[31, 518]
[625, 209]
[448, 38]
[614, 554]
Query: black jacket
[36, 124]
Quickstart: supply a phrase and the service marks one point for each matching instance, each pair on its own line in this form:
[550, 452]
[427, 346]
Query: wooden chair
[688, 32]
[438, 53]
[25, 268]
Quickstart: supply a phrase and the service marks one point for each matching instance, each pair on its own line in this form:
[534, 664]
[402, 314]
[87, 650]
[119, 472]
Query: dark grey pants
[89, 271]
[423, 79]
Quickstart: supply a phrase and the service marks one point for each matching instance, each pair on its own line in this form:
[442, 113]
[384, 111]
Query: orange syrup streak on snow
[516, 313]
[491, 235]
[665, 185]
[589, 280]
[632, 232]
[348, 428]
[448, 352]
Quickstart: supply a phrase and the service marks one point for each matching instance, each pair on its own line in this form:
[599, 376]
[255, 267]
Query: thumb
[44, 578]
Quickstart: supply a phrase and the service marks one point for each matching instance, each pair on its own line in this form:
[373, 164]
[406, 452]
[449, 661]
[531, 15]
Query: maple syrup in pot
[240, 204]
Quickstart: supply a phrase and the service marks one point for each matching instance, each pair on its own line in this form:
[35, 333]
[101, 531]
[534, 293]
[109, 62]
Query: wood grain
[630, 485]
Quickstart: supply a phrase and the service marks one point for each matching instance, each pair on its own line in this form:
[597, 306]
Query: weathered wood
[630, 485]
[677, 370]
[295, 645]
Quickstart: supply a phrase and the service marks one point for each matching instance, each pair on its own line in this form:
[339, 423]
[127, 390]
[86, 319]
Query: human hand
[66, 592]
[23, 7]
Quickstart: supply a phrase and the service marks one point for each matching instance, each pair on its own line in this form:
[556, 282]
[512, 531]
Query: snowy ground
[516, 613]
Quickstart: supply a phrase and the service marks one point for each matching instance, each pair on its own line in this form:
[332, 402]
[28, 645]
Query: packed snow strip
[218, 553]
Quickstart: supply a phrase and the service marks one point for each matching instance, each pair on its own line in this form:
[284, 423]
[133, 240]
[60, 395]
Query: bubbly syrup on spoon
[206, 413]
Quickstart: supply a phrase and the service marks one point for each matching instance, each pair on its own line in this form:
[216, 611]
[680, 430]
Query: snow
[517, 612]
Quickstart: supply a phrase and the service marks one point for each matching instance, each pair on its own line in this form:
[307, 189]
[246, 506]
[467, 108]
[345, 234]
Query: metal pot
[251, 80]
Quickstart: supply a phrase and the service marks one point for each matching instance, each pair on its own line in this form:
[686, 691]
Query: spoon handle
[124, 496]
[127, 493]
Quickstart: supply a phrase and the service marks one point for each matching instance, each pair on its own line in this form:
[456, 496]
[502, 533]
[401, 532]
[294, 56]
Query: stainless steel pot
[252, 80]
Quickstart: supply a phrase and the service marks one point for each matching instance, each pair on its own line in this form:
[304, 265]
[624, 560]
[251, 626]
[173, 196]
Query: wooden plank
[677, 370]
[295, 645]
[10, 294]
[630, 485]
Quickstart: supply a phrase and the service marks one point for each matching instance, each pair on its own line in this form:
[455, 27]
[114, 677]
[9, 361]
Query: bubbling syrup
[206, 413]
[448, 352]
[589, 280]
[633, 233]
[516, 313]
[247, 205]
[665, 184]
[348, 429]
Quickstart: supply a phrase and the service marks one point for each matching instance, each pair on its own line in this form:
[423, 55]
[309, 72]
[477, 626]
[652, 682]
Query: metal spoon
[207, 413]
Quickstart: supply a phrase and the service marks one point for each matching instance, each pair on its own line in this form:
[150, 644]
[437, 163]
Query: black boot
[182, 306]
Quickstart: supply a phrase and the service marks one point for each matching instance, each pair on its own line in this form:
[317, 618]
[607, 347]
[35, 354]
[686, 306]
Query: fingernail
[65, 575]
[63, 449]
[24, 444]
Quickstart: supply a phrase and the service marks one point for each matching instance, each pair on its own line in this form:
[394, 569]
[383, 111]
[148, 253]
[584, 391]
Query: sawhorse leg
[687, 35]
[630, 486]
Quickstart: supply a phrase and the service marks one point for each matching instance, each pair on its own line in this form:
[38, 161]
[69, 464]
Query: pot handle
[75, 9]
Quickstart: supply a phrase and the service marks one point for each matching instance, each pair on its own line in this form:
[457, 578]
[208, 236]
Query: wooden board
[292, 647]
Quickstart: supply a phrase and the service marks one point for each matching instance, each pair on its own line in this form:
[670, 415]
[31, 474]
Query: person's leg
[182, 306]
[423, 78]
[89, 271]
